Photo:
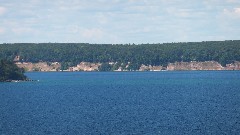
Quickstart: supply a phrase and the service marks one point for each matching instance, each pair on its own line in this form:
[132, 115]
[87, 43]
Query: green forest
[69, 54]
[9, 71]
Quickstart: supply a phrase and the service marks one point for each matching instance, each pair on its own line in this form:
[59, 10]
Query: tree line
[70, 54]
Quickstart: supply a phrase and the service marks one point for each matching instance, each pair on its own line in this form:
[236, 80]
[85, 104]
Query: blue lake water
[191, 102]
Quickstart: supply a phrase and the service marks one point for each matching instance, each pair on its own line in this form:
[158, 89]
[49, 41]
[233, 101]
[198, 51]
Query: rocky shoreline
[28, 80]
[88, 66]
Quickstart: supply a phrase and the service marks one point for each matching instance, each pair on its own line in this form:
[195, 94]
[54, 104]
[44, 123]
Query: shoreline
[120, 71]
[28, 80]
[95, 67]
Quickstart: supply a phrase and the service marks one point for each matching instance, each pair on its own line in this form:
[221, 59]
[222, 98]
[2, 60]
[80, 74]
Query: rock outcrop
[40, 66]
[150, 68]
[193, 65]
[17, 58]
[233, 66]
[85, 66]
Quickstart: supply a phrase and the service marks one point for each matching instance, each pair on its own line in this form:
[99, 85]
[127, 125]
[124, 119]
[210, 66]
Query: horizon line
[118, 43]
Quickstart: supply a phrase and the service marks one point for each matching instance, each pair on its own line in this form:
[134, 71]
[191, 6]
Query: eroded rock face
[193, 65]
[233, 66]
[40, 66]
[17, 58]
[150, 68]
[86, 66]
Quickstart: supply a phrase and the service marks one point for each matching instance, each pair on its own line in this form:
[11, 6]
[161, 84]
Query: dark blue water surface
[191, 102]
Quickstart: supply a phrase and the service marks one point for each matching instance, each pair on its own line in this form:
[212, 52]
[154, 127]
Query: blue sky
[118, 21]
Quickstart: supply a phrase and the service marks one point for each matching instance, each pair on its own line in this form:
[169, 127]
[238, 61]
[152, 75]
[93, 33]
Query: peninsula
[9, 72]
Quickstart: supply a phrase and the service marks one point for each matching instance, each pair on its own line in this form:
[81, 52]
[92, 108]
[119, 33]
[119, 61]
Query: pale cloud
[78, 33]
[235, 12]
[232, 1]
[178, 12]
[93, 33]
[23, 30]
[2, 10]
[119, 21]
[87, 33]
[2, 30]
[102, 18]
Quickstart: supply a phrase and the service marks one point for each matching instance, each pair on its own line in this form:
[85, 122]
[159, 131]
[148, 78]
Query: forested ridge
[70, 54]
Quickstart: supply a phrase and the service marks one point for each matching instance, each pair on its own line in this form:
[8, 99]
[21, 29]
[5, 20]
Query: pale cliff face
[150, 68]
[40, 66]
[87, 66]
[208, 65]
[233, 66]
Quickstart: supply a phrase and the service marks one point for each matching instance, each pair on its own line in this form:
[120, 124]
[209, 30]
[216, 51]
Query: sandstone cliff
[40, 66]
[150, 68]
[85, 66]
[233, 66]
[193, 65]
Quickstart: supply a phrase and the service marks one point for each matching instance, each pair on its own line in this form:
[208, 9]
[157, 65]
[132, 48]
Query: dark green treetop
[9, 71]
